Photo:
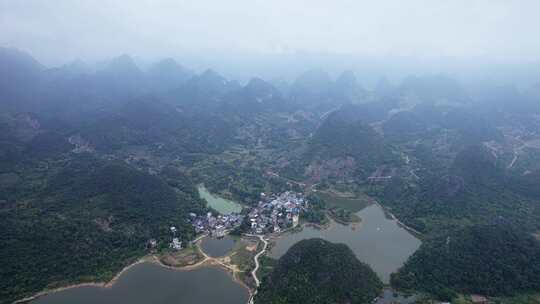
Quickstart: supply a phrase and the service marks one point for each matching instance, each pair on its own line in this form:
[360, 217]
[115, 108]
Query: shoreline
[343, 222]
[108, 284]
[153, 259]
[413, 231]
[207, 260]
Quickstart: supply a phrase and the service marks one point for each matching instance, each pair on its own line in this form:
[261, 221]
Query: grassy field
[351, 203]
[344, 216]
[243, 252]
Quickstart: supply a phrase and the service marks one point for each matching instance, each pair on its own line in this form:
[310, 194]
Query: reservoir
[377, 241]
[221, 205]
[150, 283]
[217, 247]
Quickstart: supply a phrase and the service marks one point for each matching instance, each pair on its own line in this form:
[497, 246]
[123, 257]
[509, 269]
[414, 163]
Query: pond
[147, 283]
[217, 247]
[390, 296]
[377, 240]
[220, 204]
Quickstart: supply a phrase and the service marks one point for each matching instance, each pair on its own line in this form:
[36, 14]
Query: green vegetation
[267, 266]
[242, 184]
[242, 256]
[352, 204]
[317, 271]
[473, 190]
[316, 213]
[148, 122]
[525, 298]
[492, 260]
[345, 148]
[220, 204]
[97, 168]
[339, 138]
[185, 257]
[341, 209]
[344, 216]
[85, 223]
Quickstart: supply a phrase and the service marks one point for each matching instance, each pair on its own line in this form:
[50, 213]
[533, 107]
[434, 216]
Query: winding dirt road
[257, 265]
[256, 259]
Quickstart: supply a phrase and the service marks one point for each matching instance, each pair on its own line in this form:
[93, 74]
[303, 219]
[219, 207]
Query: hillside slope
[84, 224]
[317, 271]
[490, 259]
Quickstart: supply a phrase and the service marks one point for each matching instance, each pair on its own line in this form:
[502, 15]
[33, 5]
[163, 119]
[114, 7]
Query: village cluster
[273, 213]
[217, 226]
[276, 212]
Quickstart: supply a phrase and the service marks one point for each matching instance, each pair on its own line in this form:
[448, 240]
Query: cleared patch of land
[243, 252]
[185, 257]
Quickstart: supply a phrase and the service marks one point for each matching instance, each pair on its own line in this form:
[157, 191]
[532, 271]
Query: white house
[176, 244]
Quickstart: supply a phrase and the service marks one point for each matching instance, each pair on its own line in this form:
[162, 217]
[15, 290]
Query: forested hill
[96, 159]
[84, 223]
[494, 259]
[319, 272]
[147, 121]
[339, 137]
[473, 189]
[343, 148]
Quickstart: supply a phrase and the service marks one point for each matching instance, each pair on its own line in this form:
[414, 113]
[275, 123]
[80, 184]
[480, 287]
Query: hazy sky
[55, 31]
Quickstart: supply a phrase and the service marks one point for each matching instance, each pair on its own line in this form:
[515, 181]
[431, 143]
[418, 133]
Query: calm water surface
[223, 206]
[389, 296]
[217, 247]
[149, 283]
[377, 241]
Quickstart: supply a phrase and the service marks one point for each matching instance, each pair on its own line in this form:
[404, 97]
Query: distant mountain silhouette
[167, 74]
[19, 79]
[257, 96]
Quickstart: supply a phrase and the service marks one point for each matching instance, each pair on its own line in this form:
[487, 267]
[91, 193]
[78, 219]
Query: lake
[217, 247]
[148, 283]
[377, 241]
[220, 204]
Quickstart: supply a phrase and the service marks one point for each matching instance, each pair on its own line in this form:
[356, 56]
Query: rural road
[257, 264]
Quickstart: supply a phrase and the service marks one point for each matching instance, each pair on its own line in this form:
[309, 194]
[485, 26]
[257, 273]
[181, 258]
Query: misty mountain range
[26, 80]
[110, 157]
